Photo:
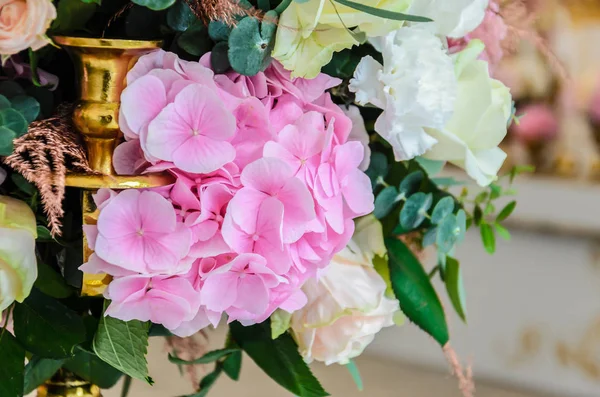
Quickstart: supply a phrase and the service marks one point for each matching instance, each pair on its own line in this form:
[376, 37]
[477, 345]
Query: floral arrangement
[303, 141]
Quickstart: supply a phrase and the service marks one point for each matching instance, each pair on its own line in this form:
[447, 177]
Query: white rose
[452, 18]
[347, 306]
[18, 266]
[415, 86]
[470, 139]
[23, 24]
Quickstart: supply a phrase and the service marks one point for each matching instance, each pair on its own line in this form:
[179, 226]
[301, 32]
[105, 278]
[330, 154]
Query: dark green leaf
[448, 232]
[378, 12]
[38, 370]
[4, 102]
[488, 238]
[477, 215]
[430, 237]
[442, 209]
[264, 5]
[233, 365]
[23, 184]
[355, 373]
[10, 89]
[250, 47]
[218, 31]
[91, 368]
[378, 168]
[180, 17]
[284, 5]
[481, 197]
[195, 40]
[123, 345]
[502, 231]
[51, 283]
[414, 291]
[13, 120]
[411, 183]
[385, 202]
[415, 209]
[209, 357]
[28, 106]
[155, 5]
[278, 358]
[219, 58]
[44, 234]
[159, 330]
[72, 15]
[455, 287]
[126, 386]
[11, 366]
[6, 141]
[46, 327]
[506, 211]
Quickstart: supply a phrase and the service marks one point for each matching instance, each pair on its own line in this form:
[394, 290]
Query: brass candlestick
[102, 66]
[65, 384]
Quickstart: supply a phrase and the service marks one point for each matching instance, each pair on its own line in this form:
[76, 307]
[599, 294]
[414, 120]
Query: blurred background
[533, 307]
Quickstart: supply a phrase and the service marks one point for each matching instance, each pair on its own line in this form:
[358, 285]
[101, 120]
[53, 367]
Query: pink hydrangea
[267, 184]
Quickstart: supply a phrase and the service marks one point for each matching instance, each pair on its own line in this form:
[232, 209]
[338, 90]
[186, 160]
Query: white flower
[470, 139]
[347, 306]
[452, 18]
[416, 88]
[18, 266]
[359, 133]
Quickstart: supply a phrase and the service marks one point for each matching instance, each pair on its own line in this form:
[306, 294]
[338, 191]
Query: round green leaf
[442, 209]
[430, 237]
[378, 168]
[385, 202]
[411, 183]
[28, 106]
[4, 103]
[218, 31]
[448, 232]
[461, 221]
[155, 5]
[180, 17]
[415, 210]
[219, 59]
[13, 120]
[6, 140]
[195, 40]
[251, 44]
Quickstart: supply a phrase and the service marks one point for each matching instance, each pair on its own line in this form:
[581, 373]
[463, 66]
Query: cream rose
[18, 266]
[23, 24]
[480, 120]
[347, 306]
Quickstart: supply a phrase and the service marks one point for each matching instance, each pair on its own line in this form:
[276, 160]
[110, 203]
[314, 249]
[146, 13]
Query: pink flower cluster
[267, 187]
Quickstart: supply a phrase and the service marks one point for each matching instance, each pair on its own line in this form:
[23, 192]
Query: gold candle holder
[102, 66]
[65, 384]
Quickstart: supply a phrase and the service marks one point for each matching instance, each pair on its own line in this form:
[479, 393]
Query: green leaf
[208, 358]
[10, 89]
[414, 291]
[11, 366]
[123, 345]
[207, 382]
[280, 323]
[477, 215]
[488, 238]
[411, 183]
[6, 141]
[44, 234]
[51, 283]
[481, 197]
[47, 328]
[219, 58]
[13, 120]
[250, 47]
[386, 201]
[4, 102]
[23, 185]
[430, 237]
[378, 168]
[126, 386]
[455, 287]
[353, 369]
[285, 4]
[378, 12]
[415, 210]
[91, 368]
[442, 209]
[233, 365]
[448, 232]
[264, 5]
[496, 191]
[72, 15]
[155, 5]
[38, 370]
[506, 211]
[28, 106]
[219, 31]
[446, 182]
[180, 17]
[99, 2]
[195, 40]
[278, 358]
[461, 222]
[431, 167]
[502, 231]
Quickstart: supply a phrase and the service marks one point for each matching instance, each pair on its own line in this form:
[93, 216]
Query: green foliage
[442, 209]
[506, 211]
[232, 365]
[280, 323]
[378, 169]
[155, 5]
[411, 183]
[455, 287]
[219, 57]
[355, 373]
[27, 106]
[38, 370]
[386, 201]
[51, 283]
[488, 238]
[72, 15]
[251, 43]
[91, 368]
[195, 40]
[378, 12]
[13, 120]
[6, 140]
[278, 358]
[123, 345]
[180, 17]
[15, 114]
[219, 31]
[413, 288]
[207, 382]
[208, 358]
[46, 327]
[415, 209]
[11, 366]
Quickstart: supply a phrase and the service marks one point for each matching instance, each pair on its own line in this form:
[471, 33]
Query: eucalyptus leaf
[442, 209]
[7, 136]
[28, 106]
[415, 209]
[155, 5]
[431, 167]
[4, 102]
[195, 40]
[11, 366]
[488, 238]
[411, 183]
[461, 222]
[123, 345]
[413, 289]
[378, 168]
[386, 201]
[219, 58]
[455, 287]
[278, 358]
[46, 327]
[447, 234]
[382, 13]
[72, 15]
[218, 31]
[10, 89]
[430, 237]
[251, 43]
[38, 370]
[180, 16]
[13, 120]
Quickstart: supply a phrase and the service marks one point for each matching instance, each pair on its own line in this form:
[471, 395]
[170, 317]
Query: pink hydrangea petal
[121, 216]
[126, 252]
[252, 295]
[277, 150]
[95, 265]
[299, 209]
[182, 195]
[167, 309]
[267, 175]
[103, 196]
[200, 154]
[91, 233]
[237, 239]
[244, 207]
[357, 194]
[193, 326]
[127, 157]
[145, 64]
[219, 291]
[166, 133]
[163, 251]
[295, 302]
[213, 247]
[147, 90]
[156, 213]
[205, 230]
[348, 158]
[128, 288]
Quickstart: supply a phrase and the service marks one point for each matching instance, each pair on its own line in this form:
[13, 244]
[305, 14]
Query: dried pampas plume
[220, 10]
[44, 155]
